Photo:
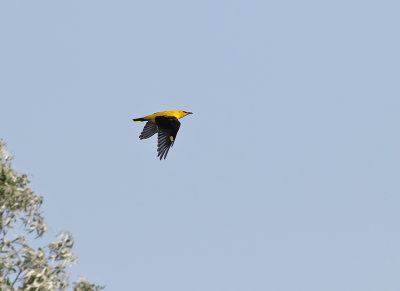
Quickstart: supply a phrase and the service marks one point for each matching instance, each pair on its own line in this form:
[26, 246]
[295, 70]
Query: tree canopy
[22, 266]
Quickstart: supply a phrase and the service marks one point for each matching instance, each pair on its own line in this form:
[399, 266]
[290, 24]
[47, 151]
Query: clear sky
[286, 177]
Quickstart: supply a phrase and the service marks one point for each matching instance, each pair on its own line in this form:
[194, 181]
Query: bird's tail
[139, 119]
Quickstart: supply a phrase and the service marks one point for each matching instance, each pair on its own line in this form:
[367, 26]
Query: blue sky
[286, 177]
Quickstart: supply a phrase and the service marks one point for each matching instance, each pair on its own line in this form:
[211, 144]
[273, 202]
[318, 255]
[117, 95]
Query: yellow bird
[166, 123]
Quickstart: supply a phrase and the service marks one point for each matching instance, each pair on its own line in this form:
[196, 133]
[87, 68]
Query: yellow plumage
[178, 114]
[166, 124]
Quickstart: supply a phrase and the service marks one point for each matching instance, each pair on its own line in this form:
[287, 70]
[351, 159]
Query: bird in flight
[166, 124]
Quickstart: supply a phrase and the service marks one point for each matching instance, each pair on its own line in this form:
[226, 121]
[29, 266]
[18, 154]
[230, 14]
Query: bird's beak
[189, 112]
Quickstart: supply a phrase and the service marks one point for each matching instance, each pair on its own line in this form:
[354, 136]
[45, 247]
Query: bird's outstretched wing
[148, 130]
[167, 129]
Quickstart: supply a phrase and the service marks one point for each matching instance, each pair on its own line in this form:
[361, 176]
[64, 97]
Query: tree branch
[16, 278]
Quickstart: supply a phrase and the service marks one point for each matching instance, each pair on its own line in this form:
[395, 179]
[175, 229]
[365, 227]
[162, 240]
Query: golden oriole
[166, 124]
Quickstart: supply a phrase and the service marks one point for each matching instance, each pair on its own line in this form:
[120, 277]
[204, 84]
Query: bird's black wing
[148, 130]
[167, 129]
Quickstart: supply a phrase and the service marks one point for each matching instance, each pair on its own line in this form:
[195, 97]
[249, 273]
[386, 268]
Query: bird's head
[184, 113]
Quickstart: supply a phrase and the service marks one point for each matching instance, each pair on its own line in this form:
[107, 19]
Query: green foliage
[83, 285]
[23, 267]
